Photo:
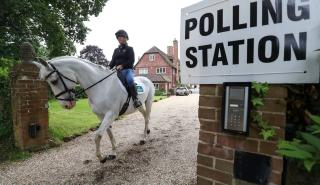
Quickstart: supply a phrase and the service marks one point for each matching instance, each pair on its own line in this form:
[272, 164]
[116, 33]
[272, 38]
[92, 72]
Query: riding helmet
[122, 33]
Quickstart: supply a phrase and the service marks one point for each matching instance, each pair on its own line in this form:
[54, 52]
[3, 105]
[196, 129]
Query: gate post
[29, 106]
[218, 151]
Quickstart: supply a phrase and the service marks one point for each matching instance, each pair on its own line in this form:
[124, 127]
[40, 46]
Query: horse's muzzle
[69, 104]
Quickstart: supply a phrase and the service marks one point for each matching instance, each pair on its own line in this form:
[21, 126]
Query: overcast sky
[148, 23]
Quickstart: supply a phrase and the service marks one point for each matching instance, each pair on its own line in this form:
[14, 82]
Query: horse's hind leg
[146, 115]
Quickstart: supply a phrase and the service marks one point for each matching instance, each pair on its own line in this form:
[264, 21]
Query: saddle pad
[139, 87]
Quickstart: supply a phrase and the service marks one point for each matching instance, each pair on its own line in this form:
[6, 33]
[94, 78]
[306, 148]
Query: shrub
[80, 94]
[5, 99]
[6, 131]
[5, 107]
[160, 93]
[306, 147]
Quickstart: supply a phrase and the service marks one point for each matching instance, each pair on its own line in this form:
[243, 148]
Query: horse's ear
[43, 62]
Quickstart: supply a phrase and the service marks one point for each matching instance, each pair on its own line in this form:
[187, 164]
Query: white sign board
[274, 41]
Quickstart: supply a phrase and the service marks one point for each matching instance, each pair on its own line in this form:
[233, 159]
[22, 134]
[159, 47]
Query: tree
[55, 24]
[94, 54]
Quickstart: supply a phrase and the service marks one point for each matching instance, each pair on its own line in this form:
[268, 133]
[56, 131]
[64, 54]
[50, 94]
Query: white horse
[105, 92]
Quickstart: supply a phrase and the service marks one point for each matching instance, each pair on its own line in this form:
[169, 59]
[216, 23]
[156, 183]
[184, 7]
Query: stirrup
[137, 103]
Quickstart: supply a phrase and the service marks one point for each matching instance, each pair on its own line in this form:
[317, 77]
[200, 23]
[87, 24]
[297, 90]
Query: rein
[69, 91]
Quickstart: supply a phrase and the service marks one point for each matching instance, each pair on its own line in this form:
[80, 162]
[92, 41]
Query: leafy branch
[306, 147]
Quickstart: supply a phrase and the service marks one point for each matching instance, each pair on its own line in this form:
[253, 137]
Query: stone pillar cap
[27, 52]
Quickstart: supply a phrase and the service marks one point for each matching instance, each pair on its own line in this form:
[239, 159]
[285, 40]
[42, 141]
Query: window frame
[143, 71]
[161, 70]
[152, 57]
[156, 86]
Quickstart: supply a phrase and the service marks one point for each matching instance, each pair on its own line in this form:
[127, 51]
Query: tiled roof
[166, 58]
[157, 78]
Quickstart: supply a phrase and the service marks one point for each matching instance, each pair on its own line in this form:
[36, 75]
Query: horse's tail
[150, 95]
[149, 99]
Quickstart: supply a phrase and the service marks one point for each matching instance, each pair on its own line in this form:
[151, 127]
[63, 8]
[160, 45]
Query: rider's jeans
[128, 74]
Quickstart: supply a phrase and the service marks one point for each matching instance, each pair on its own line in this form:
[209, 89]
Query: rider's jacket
[123, 55]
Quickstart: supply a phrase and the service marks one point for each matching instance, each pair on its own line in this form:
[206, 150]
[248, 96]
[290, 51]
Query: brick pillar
[216, 149]
[29, 106]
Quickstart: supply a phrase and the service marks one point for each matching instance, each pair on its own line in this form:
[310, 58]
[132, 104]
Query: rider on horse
[123, 59]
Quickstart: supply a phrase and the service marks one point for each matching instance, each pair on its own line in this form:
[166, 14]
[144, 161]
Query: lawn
[158, 98]
[67, 123]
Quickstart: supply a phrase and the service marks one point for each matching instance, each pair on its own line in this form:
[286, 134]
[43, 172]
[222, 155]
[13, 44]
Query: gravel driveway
[168, 157]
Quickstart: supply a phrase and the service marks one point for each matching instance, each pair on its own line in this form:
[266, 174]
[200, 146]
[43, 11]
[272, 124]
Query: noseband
[66, 89]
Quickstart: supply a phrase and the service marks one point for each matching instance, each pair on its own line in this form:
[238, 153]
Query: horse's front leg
[113, 143]
[98, 151]
[105, 124]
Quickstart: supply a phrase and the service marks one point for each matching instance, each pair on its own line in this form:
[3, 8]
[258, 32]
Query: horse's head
[61, 80]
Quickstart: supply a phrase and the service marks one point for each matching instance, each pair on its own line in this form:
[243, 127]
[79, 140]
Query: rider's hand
[119, 67]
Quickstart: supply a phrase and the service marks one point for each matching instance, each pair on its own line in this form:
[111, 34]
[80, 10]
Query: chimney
[175, 52]
[170, 51]
[176, 58]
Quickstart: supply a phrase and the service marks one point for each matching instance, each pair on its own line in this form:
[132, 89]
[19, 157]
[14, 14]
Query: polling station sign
[274, 41]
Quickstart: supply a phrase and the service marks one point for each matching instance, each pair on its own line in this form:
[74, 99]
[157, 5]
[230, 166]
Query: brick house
[161, 68]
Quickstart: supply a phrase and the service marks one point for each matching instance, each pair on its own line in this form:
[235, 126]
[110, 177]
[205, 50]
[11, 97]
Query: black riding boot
[133, 92]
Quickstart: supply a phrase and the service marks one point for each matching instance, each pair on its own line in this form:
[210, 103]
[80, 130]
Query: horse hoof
[103, 160]
[148, 131]
[142, 142]
[108, 158]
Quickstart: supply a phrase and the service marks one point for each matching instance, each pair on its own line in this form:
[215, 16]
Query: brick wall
[216, 149]
[29, 105]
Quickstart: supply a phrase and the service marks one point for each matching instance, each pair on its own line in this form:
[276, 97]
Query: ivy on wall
[259, 91]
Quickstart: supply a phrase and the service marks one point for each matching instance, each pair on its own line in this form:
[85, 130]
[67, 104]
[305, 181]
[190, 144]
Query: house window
[151, 57]
[161, 70]
[156, 86]
[143, 71]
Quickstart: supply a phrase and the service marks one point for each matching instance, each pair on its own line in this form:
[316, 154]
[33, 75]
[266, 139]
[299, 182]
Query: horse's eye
[54, 82]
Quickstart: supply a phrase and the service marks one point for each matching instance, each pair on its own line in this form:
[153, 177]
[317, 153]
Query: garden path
[169, 156]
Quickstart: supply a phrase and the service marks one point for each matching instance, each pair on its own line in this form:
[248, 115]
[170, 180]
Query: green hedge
[5, 100]
[80, 94]
[6, 132]
[160, 93]
[5, 105]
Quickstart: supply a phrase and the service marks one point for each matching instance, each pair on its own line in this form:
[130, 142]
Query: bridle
[72, 93]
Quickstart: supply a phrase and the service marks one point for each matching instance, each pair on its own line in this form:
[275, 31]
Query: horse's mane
[76, 59]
